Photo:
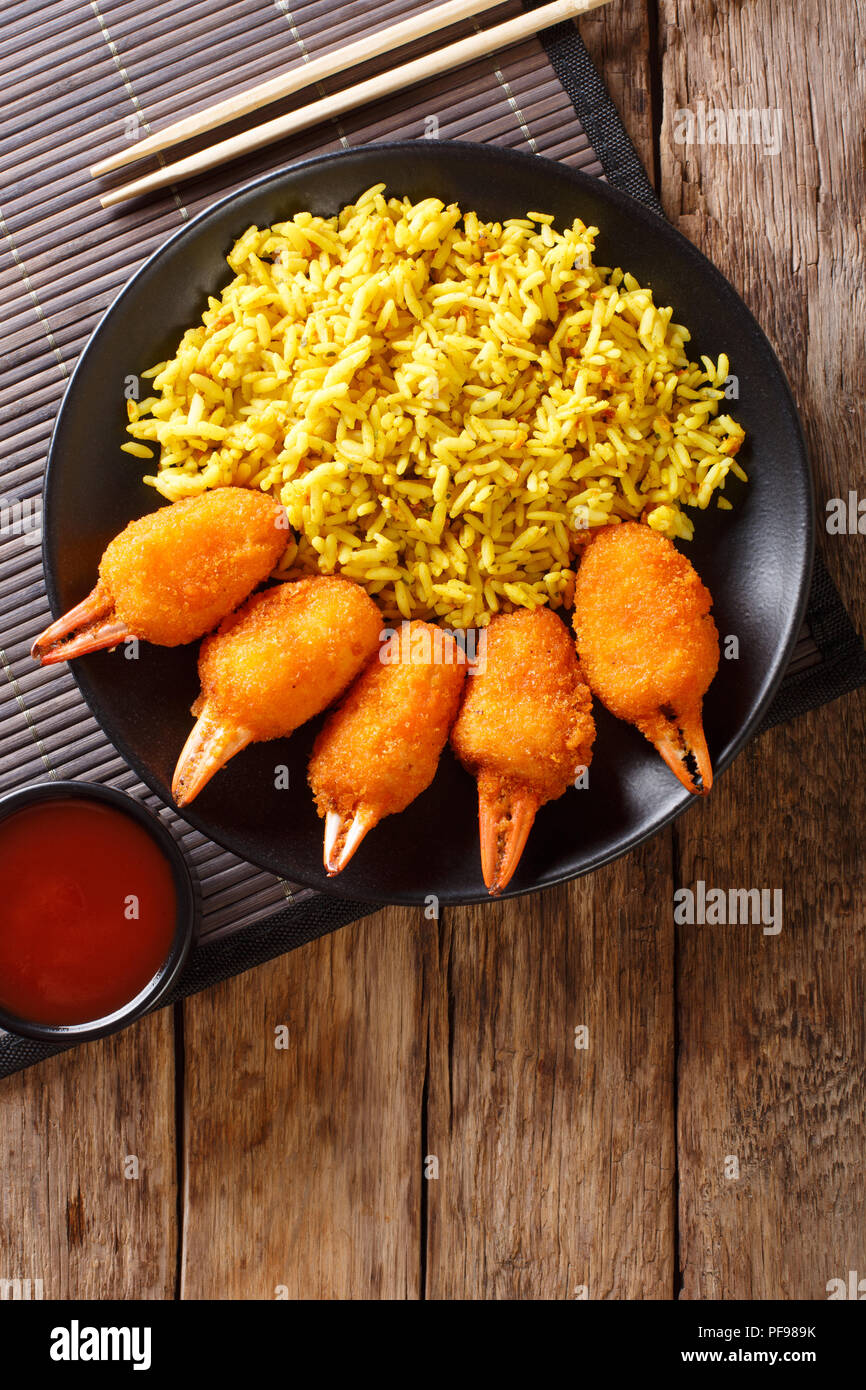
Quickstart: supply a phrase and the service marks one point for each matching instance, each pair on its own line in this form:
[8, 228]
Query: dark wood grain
[302, 1164]
[771, 1027]
[75, 1211]
[772, 1062]
[622, 44]
[556, 1163]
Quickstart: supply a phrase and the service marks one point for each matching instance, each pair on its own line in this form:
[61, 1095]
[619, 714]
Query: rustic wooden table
[431, 1129]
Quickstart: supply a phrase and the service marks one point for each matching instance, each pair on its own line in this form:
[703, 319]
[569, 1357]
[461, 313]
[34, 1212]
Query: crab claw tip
[505, 818]
[679, 739]
[88, 627]
[343, 835]
[212, 741]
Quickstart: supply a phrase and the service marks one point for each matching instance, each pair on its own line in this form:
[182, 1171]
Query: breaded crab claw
[525, 731]
[647, 642]
[380, 748]
[279, 660]
[171, 576]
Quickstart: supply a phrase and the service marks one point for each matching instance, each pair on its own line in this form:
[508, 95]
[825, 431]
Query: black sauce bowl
[186, 897]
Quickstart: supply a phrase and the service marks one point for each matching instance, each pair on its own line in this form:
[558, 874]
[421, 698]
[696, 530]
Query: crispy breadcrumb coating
[642, 623]
[287, 654]
[527, 718]
[647, 641]
[174, 574]
[381, 747]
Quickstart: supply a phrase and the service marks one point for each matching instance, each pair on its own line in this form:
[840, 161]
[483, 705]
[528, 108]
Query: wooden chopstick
[454, 55]
[302, 75]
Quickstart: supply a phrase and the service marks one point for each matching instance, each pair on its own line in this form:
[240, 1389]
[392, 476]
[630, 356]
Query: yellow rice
[441, 404]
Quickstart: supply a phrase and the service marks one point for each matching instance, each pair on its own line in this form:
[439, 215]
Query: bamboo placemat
[78, 78]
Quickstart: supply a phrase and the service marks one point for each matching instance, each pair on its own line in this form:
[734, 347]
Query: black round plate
[756, 559]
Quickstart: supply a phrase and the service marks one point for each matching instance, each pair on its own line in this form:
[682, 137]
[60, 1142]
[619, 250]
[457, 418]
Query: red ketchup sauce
[87, 911]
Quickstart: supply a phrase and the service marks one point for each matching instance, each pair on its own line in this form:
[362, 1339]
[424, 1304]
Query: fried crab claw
[344, 831]
[212, 742]
[525, 730]
[380, 748]
[647, 642]
[171, 576]
[279, 660]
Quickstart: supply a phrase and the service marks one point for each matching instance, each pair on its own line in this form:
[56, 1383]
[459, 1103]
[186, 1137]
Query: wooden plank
[556, 1163]
[772, 1050]
[771, 1028]
[621, 43]
[303, 1162]
[75, 1212]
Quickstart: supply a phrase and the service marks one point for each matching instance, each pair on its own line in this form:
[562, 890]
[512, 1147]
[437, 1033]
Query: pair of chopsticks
[303, 75]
